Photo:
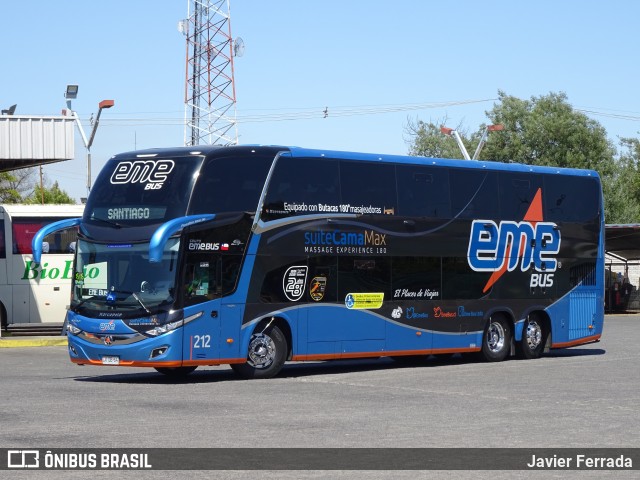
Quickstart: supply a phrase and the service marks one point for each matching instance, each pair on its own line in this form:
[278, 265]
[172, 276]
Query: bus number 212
[202, 341]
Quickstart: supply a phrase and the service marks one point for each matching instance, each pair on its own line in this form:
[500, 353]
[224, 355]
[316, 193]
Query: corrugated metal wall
[26, 141]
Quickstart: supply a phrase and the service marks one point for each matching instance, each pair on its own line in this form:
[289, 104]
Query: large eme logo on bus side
[531, 243]
[151, 172]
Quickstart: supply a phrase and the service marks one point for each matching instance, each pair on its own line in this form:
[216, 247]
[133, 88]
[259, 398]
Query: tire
[175, 372]
[266, 354]
[534, 337]
[496, 340]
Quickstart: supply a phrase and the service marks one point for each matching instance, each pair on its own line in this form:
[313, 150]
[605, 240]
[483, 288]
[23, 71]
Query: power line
[299, 114]
[169, 118]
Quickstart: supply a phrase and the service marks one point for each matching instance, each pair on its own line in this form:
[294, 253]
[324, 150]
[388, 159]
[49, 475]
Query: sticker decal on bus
[364, 300]
[317, 288]
[294, 281]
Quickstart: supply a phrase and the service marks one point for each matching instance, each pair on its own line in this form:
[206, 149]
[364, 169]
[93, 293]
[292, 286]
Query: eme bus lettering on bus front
[153, 173]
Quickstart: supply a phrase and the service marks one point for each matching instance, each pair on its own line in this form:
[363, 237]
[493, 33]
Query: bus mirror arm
[38, 238]
[163, 233]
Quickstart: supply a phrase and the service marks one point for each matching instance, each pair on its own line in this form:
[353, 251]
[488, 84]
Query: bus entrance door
[201, 334]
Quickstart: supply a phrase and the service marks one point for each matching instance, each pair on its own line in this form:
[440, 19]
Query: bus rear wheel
[175, 372]
[266, 354]
[496, 340]
[533, 338]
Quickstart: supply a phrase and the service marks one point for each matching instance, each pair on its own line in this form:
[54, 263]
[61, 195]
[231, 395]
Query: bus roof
[445, 162]
[371, 157]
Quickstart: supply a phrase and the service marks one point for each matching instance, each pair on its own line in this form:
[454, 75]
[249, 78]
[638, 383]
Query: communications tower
[210, 97]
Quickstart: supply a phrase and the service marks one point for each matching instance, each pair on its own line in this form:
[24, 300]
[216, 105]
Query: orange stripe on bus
[176, 363]
[392, 353]
[580, 341]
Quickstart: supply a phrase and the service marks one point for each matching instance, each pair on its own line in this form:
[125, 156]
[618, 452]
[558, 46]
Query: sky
[374, 65]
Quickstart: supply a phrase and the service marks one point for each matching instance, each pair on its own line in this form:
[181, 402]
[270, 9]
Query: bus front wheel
[496, 341]
[266, 354]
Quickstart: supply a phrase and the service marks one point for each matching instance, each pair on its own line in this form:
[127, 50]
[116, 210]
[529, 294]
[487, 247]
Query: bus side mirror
[163, 233]
[37, 243]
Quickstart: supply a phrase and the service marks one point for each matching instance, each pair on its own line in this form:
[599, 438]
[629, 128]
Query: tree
[8, 194]
[23, 181]
[622, 191]
[53, 195]
[426, 140]
[547, 131]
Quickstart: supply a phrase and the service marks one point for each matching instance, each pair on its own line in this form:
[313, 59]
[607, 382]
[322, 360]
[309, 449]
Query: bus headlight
[72, 329]
[167, 327]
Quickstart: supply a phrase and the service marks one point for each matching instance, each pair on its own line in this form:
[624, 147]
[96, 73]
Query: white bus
[34, 297]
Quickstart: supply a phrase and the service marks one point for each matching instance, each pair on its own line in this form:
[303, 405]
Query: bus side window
[474, 193]
[423, 191]
[368, 184]
[516, 194]
[301, 186]
[200, 281]
[571, 200]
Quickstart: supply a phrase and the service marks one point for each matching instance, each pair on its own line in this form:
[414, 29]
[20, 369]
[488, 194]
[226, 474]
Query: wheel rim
[495, 337]
[533, 335]
[262, 351]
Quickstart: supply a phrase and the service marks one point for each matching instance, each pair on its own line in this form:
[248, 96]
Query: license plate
[110, 360]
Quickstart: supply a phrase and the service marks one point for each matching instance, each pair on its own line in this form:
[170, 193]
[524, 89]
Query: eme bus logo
[152, 172]
[502, 247]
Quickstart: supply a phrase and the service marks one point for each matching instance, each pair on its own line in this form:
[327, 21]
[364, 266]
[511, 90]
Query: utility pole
[70, 94]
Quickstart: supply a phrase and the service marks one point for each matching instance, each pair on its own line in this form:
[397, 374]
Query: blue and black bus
[255, 255]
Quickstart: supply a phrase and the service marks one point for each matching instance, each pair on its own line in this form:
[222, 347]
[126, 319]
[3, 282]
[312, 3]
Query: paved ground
[581, 397]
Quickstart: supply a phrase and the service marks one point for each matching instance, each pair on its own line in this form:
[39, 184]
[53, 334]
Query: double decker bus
[34, 296]
[255, 255]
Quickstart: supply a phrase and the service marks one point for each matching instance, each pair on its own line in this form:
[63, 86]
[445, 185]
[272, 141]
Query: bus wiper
[140, 302]
[84, 300]
[108, 222]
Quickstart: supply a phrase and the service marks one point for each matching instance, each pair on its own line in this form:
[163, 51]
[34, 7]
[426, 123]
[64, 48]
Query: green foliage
[622, 190]
[8, 192]
[53, 195]
[547, 131]
[428, 141]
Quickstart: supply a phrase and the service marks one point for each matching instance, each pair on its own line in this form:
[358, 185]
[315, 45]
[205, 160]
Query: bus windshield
[119, 278]
[132, 191]
[138, 192]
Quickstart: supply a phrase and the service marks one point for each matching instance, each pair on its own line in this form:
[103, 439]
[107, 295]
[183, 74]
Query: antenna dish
[238, 47]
